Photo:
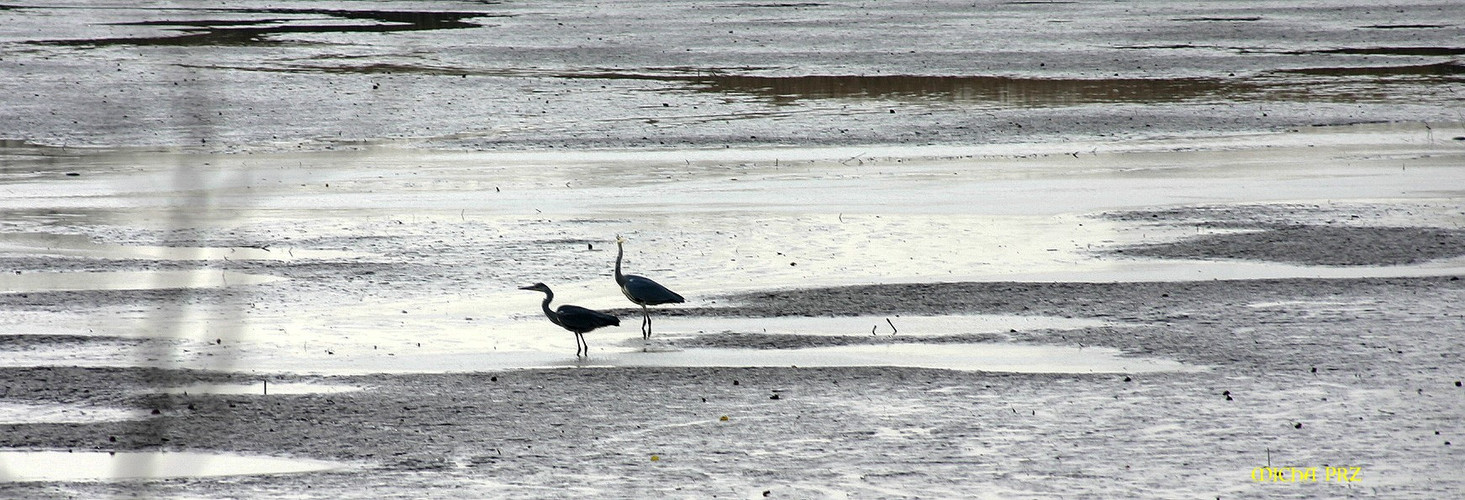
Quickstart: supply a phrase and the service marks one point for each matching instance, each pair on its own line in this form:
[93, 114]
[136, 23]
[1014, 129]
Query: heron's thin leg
[645, 323]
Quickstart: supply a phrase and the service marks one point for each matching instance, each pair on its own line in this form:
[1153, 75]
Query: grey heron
[576, 319]
[642, 291]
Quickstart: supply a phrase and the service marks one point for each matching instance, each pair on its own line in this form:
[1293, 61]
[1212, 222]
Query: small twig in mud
[267, 387]
[893, 331]
[872, 329]
[853, 158]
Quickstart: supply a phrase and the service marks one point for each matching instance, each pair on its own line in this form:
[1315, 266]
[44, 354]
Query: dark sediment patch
[1405, 26]
[1444, 69]
[998, 90]
[26, 342]
[258, 32]
[108, 385]
[75, 300]
[1397, 51]
[1031, 92]
[1159, 47]
[1240, 216]
[1316, 245]
[780, 5]
[1331, 235]
[1129, 302]
[1212, 19]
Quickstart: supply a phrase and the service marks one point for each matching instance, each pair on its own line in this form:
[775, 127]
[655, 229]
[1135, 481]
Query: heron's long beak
[530, 287]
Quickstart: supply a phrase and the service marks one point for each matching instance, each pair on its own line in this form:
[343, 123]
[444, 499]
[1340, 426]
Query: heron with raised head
[576, 319]
[642, 291]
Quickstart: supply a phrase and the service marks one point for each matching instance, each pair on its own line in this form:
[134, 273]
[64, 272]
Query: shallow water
[407, 260]
[126, 280]
[34, 413]
[75, 245]
[991, 357]
[908, 326]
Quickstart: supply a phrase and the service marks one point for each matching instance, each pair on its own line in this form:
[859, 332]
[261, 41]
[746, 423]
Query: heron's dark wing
[644, 291]
[581, 320]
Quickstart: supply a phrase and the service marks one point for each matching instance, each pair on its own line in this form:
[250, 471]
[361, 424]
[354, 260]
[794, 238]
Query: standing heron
[576, 319]
[642, 291]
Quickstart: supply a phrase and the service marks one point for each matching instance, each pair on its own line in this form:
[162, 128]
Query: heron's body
[642, 291]
[576, 319]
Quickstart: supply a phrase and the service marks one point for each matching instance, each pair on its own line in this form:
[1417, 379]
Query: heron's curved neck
[620, 252]
[548, 296]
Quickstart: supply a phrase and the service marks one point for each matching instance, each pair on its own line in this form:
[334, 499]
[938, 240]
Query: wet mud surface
[337, 151]
[1272, 233]
[1349, 372]
[1301, 372]
[253, 76]
[1335, 246]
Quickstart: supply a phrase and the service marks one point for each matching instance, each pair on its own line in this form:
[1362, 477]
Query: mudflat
[930, 250]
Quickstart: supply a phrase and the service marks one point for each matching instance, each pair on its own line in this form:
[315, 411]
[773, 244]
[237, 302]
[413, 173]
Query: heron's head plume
[620, 239]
